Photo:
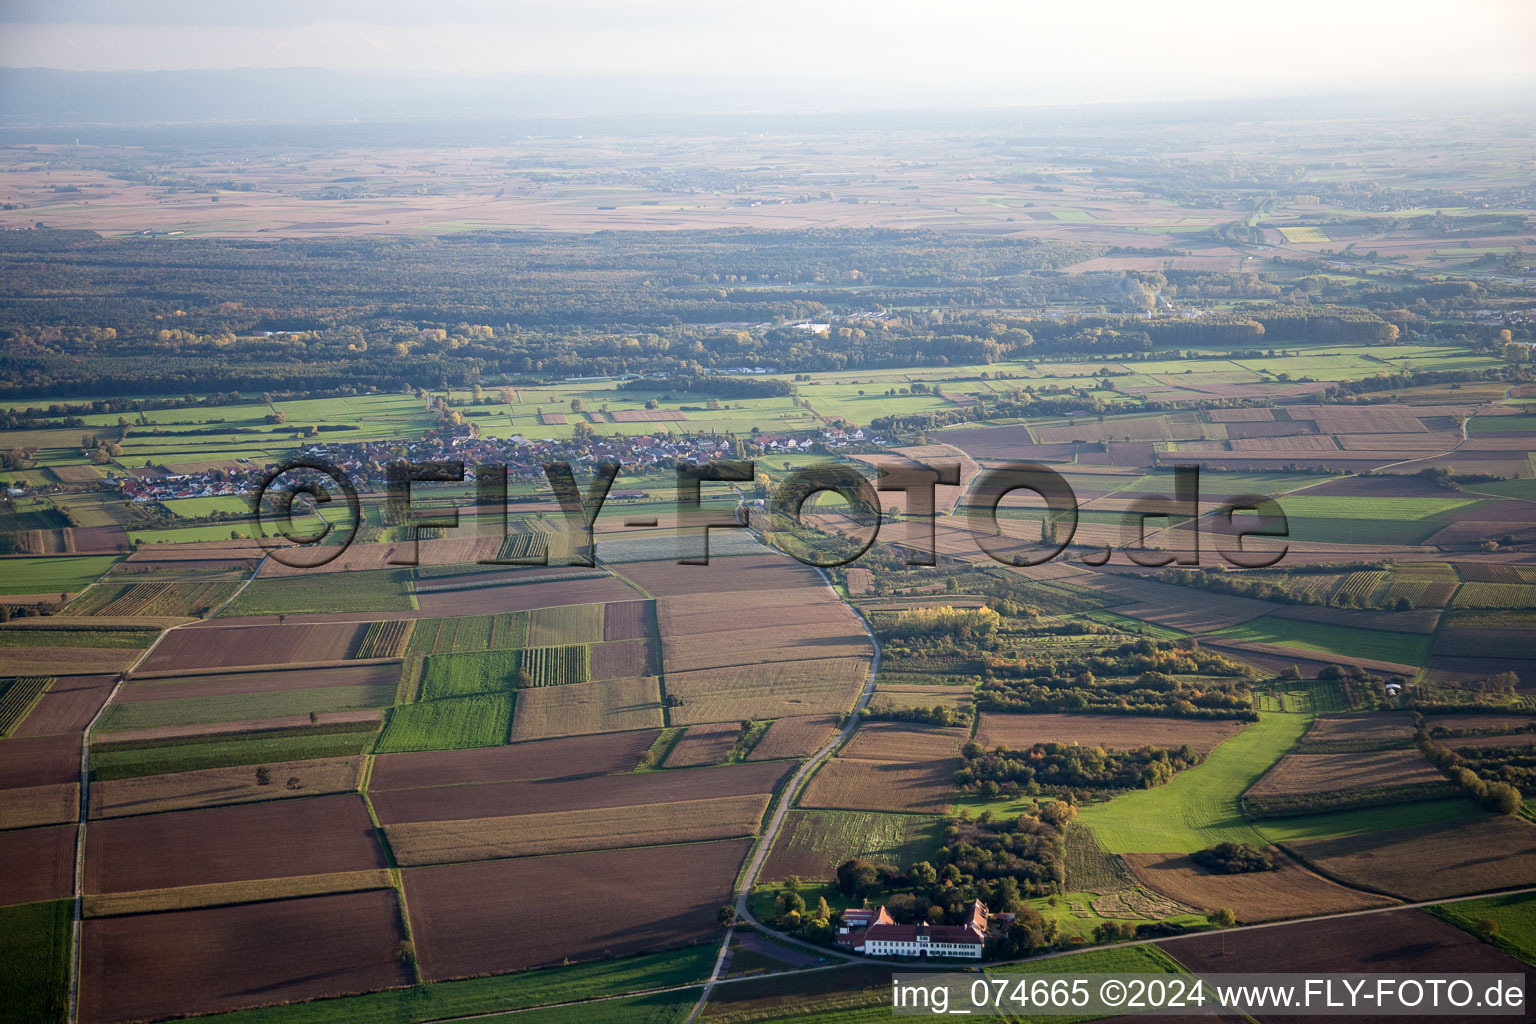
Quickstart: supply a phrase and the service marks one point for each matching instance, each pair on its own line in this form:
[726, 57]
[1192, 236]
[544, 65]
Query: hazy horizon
[805, 56]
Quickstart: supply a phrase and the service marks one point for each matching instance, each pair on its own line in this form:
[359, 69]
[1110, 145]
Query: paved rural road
[85, 791]
[776, 822]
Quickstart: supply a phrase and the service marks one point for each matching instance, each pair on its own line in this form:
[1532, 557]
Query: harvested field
[524, 835]
[813, 843]
[1433, 862]
[541, 759]
[61, 661]
[1382, 727]
[1298, 774]
[225, 957]
[1461, 722]
[68, 706]
[40, 805]
[189, 897]
[571, 624]
[1291, 891]
[830, 636]
[229, 684]
[1398, 942]
[522, 597]
[235, 646]
[1113, 732]
[37, 864]
[767, 691]
[470, 919]
[704, 745]
[798, 736]
[628, 620]
[1483, 642]
[617, 660]
[925, 787]
[39, 761]
[501, 799]
[731, 574]
[1166, 604]
[213, 787]
[903, 696]
[612, 705]
[231, 844]
[903, 741]
[684, 618]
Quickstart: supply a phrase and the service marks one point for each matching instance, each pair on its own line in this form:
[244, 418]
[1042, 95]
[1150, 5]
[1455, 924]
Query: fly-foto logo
[310, 537]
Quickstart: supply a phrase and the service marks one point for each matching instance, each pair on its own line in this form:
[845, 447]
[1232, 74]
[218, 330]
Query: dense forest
[85, 315]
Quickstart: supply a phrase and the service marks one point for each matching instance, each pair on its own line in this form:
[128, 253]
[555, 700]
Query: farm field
[1369, 729]
[1291, 891]
[540, 759]
[493, 994]
[231, 646]
[466, 921]
[30, 806]
[333, 945]
[1114, 732]
[1432, 861]
[813, 843]
[34, 960]
[1330, 640]
[161, 757]
[1400, 942]
[1199, 806]
[704, 745]
[576, 709]
[1303, 774]
[374, 792]
[231, 844]
[579, 793]
[212, 787]
[36, 864]
[56, 575]
[1514, 914]
[909, 787]
[453, 723]
[573, 831]
[796, 736]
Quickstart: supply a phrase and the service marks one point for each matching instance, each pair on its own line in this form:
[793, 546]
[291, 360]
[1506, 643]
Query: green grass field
[133, 760]
[196, 508]
[1404, 648]
[1199, 807]
[1307, 506]
[34, 962]
[448, 999]
[1514, 914]
[457, 723]
[385, 590]
[54, 574]
[149, 714]
[457, 675]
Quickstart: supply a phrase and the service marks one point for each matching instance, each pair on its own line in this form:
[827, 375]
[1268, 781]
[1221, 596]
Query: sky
[1014, 51]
